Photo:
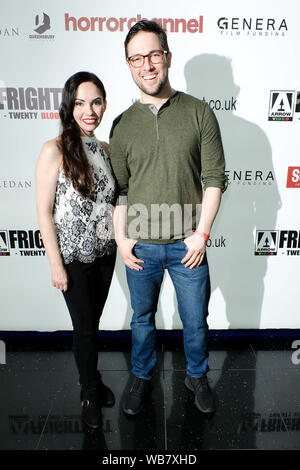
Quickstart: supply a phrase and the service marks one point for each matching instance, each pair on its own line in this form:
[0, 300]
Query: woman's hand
[59, 277]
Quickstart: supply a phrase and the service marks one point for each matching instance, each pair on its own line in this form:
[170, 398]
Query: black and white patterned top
[84, 227]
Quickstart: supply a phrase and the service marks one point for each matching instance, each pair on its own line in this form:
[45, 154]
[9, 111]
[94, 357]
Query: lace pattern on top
[84, 227]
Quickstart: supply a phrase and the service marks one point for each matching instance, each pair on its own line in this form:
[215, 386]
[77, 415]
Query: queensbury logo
[42, 24]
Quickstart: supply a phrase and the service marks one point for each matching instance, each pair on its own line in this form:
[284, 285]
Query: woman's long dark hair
[75, 162]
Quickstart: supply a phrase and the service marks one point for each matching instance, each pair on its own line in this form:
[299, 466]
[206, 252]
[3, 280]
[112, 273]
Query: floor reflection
[256, 393]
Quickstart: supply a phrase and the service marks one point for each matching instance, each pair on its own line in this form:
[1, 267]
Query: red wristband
[202, 234]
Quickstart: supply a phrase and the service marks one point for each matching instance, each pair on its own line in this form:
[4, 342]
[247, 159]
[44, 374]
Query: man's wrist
[203, 235]
[120, 239]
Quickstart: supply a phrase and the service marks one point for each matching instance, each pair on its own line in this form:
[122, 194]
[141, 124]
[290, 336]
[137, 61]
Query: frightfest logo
[25, 243]
[30, 102]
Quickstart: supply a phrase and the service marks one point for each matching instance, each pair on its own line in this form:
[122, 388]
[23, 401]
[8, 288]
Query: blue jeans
[192, 288]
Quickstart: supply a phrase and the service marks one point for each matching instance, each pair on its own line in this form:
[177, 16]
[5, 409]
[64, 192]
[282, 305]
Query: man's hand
[125, 246]
[196, 250]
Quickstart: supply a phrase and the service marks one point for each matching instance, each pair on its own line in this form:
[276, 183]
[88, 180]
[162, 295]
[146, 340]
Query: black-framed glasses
[155, 57]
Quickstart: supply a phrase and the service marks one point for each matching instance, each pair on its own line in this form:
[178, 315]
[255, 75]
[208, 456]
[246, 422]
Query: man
[162, 148]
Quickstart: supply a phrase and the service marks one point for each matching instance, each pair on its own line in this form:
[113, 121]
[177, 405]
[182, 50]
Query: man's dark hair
[149, 27]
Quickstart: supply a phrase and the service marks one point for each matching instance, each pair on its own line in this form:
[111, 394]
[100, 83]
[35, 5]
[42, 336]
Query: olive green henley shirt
[161, 160]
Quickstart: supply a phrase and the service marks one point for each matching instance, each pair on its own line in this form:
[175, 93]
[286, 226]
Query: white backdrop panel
[239, 57]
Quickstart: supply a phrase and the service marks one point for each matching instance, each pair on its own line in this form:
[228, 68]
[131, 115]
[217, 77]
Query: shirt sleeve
[119, 162]
[212, 154]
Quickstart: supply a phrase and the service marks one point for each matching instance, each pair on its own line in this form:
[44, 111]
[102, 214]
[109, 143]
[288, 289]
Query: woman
[75, 193]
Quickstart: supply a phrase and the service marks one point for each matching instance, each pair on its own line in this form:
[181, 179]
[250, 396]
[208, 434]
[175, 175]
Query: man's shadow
[249, 204]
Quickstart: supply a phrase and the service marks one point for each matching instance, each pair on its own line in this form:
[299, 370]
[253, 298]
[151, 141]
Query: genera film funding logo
[248, 178]
[252, 27]
[273, 242]
[293, 177]
[41, 25]
[26, 243]
[283, 104]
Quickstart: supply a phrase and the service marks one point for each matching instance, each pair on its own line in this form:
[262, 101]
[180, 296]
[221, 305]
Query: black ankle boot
[91, 409]
[106, 396]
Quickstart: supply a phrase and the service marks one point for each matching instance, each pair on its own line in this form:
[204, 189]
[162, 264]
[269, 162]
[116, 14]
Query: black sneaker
[135, 398]
[203, 397]
[91, 410]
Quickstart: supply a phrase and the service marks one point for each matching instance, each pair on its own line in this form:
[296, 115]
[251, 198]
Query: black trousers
[85, 298]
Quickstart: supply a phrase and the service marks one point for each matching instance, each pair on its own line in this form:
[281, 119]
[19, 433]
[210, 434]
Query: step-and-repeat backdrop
[240, 57]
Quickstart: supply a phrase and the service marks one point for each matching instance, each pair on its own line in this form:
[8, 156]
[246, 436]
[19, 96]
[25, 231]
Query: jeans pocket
[135, 246]
[185, 245]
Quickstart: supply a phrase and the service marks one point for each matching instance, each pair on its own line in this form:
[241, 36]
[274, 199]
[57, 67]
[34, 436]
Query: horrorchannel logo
[272, 242]
[113, 24]
[21, 242]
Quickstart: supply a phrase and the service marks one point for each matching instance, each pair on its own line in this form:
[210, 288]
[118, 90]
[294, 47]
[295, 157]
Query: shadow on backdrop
[250, 203]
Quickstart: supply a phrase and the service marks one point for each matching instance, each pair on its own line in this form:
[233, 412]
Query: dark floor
[257, 392]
